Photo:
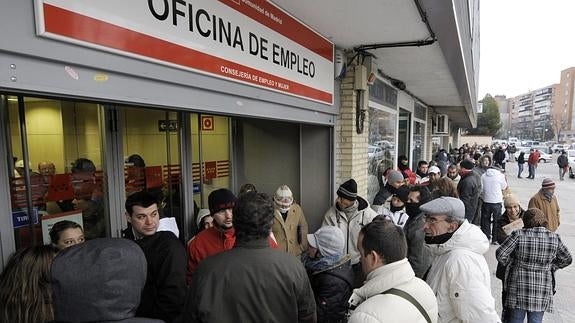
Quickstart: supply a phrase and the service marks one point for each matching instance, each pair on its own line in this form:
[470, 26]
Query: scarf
[440, 239]
[420, 174]
[313, 265]
[548, 195]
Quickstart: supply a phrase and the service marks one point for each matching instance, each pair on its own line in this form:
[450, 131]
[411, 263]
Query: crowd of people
[414, 254]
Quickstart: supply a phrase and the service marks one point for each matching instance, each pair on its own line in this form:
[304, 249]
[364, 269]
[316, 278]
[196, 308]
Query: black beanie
[220, 200]
[402, 193]
[467, 164]
[348, 190]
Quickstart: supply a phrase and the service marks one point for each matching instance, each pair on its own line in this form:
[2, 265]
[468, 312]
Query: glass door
[57, 174]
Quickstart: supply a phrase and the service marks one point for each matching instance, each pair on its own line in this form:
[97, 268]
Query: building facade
[185, 97]
[563, 119]
[531, 114]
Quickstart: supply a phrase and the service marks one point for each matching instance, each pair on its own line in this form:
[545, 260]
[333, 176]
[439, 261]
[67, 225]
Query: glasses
[430, 220]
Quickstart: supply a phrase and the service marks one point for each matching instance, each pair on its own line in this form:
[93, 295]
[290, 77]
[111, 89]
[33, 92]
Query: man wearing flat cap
[350, 213]
[546, 201]
[459, 275]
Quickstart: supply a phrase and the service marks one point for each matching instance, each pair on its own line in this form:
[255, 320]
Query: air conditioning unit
[441, 124]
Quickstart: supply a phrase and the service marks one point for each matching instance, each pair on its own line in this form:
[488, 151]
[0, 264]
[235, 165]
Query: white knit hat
[328, 240]
[283, 197]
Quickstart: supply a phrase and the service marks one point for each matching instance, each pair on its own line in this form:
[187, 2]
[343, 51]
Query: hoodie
[493, 183]
[460, 277]
[100, 280]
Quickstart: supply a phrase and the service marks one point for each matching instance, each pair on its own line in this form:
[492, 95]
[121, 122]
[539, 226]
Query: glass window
[418, 136]
[64, 175]
[381, 153]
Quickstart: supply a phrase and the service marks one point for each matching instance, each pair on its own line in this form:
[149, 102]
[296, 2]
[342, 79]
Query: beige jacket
[286, 232]
[550, 208]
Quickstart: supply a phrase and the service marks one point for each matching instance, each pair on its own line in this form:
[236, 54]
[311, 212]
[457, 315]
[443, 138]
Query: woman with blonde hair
[25, 288]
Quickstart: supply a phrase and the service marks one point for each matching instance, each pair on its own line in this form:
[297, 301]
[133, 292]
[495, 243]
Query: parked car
[374, 152]
[558, 147]
[545, 157]
[571, 158]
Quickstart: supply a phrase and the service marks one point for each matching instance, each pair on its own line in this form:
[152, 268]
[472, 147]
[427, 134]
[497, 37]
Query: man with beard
[221, 236]
[469, 189]
[459, 275]
[417, 253]
[546, 201]
[394, 181]
[421, 172]
[453, 174]
[350, 213]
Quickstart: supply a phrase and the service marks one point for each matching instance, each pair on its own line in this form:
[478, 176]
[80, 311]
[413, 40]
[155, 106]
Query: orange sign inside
[207, 123]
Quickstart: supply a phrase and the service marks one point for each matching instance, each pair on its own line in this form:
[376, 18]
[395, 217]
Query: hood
[98, 280]
[492, 172]
[362, 204]
[468, 237]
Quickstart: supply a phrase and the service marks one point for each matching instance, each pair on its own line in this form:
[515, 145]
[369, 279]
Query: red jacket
[534, 158]
[211, 241]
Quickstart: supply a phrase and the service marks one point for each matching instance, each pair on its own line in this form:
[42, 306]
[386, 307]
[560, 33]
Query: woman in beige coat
[290, 226]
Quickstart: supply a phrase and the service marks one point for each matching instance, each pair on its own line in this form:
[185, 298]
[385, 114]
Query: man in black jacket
[469, 189]
[165, 289]
[563, 163]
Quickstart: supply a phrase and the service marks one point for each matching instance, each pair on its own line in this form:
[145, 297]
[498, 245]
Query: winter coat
[493, 183]
[100, 280]
[521, 158]
[549, 207]
[418, 253]
[377, 307]
[399, 218]
[209, 242]
[350, 227]
[562, 161]
[531, 256]
[460, 277]
[469, 189]
[165, 289]
[291, 234]
[250, 283]
[332, 287]
[408, 174]
[383, 195]
[533, 158]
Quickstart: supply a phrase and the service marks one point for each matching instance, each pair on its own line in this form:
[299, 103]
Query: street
[524, 188]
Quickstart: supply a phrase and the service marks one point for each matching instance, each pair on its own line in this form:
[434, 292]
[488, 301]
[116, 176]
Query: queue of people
[415, 255]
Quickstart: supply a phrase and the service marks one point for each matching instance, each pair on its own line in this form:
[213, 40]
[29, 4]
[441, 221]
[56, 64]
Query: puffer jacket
[332, 288]
[376, 307]
[460, 277]
[350, 226]
[291, 234]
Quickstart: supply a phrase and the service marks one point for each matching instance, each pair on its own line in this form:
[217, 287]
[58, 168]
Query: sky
[524, 44]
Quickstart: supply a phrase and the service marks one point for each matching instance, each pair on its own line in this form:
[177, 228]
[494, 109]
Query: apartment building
[531, 114]
[563, 120]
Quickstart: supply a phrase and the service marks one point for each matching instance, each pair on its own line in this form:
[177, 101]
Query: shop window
[381, 149]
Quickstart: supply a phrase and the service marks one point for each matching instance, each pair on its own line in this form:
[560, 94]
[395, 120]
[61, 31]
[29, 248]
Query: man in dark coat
[417, 253]
[251, 282]
[330, 273]
[165, 288]
[563, 163]
[469, 189]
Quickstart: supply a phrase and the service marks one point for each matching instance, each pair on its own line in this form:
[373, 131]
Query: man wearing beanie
[469, 189]
[394, 180]
[220, 237]
[396, 210]
[290, 226]
[459, 275]
[350, 213]
[546, 201]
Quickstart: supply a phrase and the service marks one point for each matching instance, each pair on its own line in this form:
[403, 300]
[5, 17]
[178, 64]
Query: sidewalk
[524, 188]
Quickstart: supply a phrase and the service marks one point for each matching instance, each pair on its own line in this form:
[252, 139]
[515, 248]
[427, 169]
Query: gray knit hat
[394, 176]
[328, 240]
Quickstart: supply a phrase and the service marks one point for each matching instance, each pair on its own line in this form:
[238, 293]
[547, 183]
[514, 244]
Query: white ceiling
[349, 24]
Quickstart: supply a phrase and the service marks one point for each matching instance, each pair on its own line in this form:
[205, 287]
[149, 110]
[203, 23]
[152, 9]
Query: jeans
[520, 166]
[517, 316]
[562, 171]
[489, 210]
[531, 171]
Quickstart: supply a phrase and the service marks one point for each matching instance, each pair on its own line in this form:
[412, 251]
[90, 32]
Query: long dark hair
[25, 286]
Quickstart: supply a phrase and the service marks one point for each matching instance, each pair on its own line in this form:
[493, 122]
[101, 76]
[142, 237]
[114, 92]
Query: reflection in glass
[418, 133]
[381, 151]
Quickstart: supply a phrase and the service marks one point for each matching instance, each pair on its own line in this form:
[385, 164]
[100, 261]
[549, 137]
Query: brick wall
[350, 147]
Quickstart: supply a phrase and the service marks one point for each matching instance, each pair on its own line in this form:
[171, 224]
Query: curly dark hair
[253, 216]
[385, 238]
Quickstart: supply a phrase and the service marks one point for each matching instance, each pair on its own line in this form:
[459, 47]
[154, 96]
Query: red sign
[207, 123]
[253, 42]
[211, 170]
